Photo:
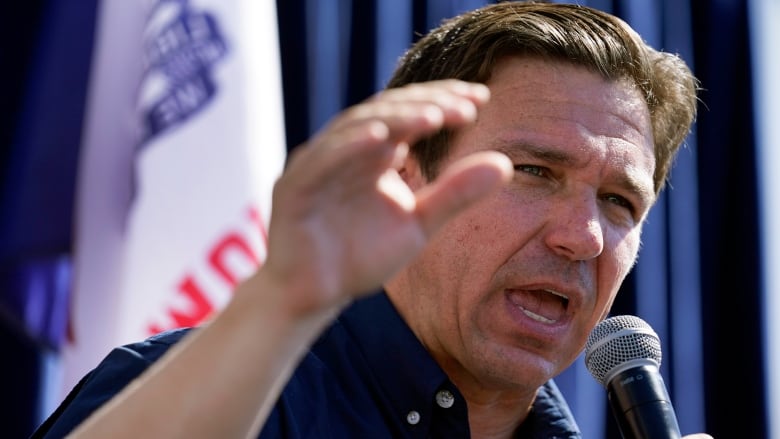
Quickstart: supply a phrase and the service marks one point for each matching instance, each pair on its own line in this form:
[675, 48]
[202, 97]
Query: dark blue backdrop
[697, 281]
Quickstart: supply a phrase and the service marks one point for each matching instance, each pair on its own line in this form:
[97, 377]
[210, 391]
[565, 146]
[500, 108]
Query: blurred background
[139, 143]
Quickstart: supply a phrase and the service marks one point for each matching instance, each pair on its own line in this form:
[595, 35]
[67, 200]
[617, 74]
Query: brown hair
[467, 47]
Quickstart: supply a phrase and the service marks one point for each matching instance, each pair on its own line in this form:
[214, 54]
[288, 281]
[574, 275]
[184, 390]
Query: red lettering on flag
[257, 218]
[200, 309]
[218, 256]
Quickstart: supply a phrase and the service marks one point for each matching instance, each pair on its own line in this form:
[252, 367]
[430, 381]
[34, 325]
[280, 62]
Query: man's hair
[468, 46]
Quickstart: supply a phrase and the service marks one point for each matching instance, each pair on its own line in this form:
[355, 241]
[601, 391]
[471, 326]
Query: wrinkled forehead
[533, 88]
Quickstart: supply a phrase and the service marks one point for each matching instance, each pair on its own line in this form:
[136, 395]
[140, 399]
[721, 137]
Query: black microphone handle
[641, 404]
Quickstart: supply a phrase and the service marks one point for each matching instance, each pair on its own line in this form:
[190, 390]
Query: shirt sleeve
[117, 370]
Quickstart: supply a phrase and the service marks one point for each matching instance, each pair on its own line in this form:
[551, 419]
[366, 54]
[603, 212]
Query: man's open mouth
[546, 306]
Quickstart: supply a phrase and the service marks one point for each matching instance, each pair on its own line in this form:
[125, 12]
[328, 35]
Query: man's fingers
[411, 112]
[416, 110]
[437, 91]
[368, 135]
[312, 164]
[463, 183]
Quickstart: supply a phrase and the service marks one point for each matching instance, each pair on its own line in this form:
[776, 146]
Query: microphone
[623, 353]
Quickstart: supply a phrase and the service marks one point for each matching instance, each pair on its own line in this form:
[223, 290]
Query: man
[541, 136]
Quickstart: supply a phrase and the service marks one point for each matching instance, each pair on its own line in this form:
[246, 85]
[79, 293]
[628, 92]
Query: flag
[184, 138]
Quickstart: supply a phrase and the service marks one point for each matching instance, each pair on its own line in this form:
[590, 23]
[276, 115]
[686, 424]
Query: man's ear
[411, 173]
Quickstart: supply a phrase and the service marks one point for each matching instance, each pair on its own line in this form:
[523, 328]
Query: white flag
[184, 139]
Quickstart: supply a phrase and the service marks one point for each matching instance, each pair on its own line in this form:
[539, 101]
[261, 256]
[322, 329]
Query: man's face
[506, 293]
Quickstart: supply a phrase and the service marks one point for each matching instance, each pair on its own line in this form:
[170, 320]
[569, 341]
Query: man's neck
[497, 418]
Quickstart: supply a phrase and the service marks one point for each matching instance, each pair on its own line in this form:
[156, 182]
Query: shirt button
[413, 417]
[445, 399]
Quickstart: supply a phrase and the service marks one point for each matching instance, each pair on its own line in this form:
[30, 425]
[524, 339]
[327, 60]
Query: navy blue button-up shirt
[367, 376]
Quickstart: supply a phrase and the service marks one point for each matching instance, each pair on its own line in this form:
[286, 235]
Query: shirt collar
[411, 378]
[407, 373]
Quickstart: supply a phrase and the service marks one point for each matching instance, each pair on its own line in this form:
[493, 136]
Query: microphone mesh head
[618, 340]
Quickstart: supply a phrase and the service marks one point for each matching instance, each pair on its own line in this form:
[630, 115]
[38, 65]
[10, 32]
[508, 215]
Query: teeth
[539, 317]
[536, 317]
[555, 293]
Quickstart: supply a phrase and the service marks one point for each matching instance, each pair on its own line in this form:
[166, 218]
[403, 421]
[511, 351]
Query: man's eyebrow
[642, 191]
[515, 149]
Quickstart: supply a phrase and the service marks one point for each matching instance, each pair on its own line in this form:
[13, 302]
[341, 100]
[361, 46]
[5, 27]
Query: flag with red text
[184, 138]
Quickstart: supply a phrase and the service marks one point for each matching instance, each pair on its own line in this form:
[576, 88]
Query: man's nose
[574, 229]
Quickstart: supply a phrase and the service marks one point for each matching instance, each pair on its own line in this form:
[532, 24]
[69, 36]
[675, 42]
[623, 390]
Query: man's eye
[531, 169]
[620, 201]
